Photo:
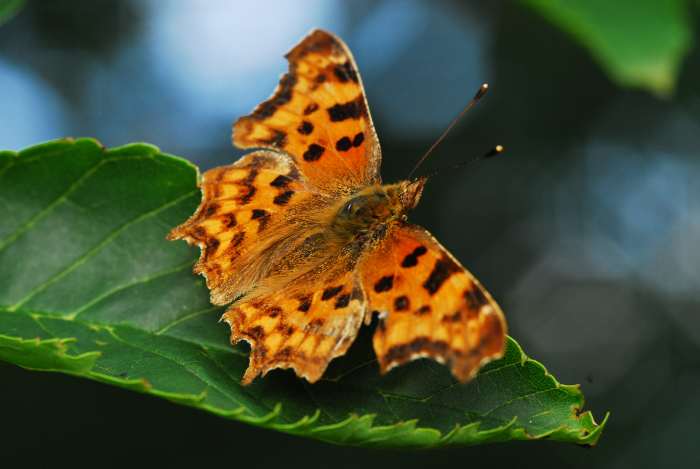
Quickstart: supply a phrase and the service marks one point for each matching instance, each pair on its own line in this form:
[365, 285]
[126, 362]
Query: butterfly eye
[348, 208]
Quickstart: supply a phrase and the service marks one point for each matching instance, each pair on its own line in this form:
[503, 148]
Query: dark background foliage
[586, 231]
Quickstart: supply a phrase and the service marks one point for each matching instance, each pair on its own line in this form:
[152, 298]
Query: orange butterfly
[307, 243]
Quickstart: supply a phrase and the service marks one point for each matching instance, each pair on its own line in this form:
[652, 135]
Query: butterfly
[306, 244]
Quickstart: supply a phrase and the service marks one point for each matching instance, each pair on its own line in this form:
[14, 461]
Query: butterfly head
[408, 193]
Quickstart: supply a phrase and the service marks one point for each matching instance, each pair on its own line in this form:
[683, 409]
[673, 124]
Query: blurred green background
[586, 230]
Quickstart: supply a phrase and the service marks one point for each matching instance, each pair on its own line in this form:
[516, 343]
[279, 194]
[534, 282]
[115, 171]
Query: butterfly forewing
[319, 116]
[244, 211]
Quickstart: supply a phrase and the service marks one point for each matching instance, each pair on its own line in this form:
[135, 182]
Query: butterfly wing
[429, 305]
[319, 116]
[243, 220]
[302, 326]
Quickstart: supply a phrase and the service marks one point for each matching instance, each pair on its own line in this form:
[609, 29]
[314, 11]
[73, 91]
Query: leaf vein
[163, 273]
[95, 249]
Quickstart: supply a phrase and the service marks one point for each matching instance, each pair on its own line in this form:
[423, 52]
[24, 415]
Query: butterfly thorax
[376, 206]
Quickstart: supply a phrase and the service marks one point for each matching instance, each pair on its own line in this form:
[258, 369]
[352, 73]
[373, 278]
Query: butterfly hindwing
[303, 326]
[319, 116]
[429, 305]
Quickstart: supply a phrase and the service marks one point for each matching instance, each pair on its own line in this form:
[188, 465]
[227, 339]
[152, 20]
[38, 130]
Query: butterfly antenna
[479, 94]
[497, 150]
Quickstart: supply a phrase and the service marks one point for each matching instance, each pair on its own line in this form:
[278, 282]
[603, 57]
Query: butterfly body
[305, 243]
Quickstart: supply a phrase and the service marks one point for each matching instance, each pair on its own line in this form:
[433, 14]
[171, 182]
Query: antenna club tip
[494, 151]
[482, 91]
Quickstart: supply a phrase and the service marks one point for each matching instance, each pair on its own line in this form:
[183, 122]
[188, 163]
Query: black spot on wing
[330, 292]
[475, 297]
[283, 198]
[343, 144]
[358, 139]
[443, 269]
[211, 209]
[230, 220]
[305, 128]
[256, 333]
[350, 110]
[213, 245]
[280, 181]
[411, 260]
[262, 216]
[247, 184]
[199, 233]
[342, 301]
[384, 284]
[304, 304]
[310, 109]
[402, 303]
[345, 72]
[313, 152]
[258, 213]
[237, 239]
[248, 196]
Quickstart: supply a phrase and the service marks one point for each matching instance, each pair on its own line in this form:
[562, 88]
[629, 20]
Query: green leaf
[8, 9]
[639, 43]
[89, 286]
